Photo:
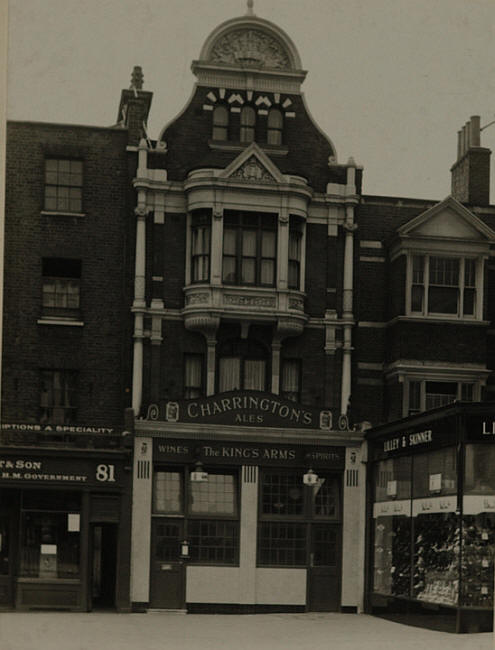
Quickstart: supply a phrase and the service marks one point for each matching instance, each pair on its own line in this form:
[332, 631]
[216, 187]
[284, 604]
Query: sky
[389, 81]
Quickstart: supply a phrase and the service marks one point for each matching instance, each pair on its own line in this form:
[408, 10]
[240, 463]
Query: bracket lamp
[310, 478]
[199, 475]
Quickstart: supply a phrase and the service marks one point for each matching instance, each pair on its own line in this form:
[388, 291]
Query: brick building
[233, 285]
[64, 486]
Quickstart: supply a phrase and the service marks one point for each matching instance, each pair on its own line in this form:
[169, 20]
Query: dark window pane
[167, 541]
[282, 494]
[443, 300]
[213, 542]
[282, 544]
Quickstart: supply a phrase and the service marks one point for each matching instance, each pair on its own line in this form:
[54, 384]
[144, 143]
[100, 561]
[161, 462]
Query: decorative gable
[253, 166]
[448, 220]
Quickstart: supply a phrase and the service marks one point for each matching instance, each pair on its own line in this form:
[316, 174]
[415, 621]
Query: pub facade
[243, 502]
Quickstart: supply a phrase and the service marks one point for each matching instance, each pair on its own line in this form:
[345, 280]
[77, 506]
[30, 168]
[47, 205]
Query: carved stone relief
[253, 172]
[249, 301]
[250, 47]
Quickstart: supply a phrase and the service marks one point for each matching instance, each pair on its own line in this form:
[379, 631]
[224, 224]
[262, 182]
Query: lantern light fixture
[310, 478]
[199, 475]
[184, 549]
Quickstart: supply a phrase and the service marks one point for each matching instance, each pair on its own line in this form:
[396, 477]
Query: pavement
[178, 631]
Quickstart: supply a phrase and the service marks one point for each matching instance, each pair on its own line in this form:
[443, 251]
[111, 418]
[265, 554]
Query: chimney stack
[135, 104]
[471, 171]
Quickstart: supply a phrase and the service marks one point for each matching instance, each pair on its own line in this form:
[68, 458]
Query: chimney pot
[475, 131]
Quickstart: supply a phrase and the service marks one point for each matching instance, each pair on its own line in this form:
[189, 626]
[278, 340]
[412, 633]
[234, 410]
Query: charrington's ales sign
[246, 408]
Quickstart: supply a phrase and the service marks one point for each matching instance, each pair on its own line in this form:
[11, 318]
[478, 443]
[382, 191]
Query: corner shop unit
[432, 518]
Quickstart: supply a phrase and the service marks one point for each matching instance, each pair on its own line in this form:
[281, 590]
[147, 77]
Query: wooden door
[324, 577]
[167, 588]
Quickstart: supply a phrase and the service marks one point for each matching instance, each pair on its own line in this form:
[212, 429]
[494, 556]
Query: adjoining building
[65, 472]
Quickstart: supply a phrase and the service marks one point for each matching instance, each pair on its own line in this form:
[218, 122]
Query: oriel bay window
[444, 286]
[208, 512]
[200, 245]
[242, 365]
[298, 524]
[249, 248]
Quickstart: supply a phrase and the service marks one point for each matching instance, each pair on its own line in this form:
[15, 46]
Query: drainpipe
[139, 304]
[347, 315]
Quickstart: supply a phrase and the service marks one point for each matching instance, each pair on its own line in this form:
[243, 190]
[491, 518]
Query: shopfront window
[207, 512]
[50, 536]
[478, 547]
[289, 510]
[392, 527]
[435, 473]
[436, 558]
[479, 473]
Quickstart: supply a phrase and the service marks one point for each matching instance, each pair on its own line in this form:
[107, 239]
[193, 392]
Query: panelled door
[167, 588]
[324, 569]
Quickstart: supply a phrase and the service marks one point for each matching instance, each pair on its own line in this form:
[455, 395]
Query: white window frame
[478, 300]
[445, 380]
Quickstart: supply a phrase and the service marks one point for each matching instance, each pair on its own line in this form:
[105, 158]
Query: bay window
[249, 248]
[295, 247]
[444, 286]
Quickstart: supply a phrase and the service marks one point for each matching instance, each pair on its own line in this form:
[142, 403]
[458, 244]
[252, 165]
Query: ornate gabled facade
[243, 318]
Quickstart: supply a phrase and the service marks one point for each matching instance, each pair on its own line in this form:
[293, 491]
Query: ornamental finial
[250, 11]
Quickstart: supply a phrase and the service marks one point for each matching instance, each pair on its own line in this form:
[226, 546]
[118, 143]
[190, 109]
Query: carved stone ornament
[250, 47]
[296, 303]
[197, 298]
[252, 172]
[249, 301]
[153, 412]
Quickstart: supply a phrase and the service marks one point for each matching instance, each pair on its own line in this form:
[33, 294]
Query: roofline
[114, 129]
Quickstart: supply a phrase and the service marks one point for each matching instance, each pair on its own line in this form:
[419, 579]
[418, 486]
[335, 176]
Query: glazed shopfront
[432, 518]
[64, 527]
[242, 504]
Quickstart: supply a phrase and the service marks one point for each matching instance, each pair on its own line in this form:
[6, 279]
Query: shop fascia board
[157, 429]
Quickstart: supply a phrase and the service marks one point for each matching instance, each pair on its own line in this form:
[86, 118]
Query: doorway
[167, 588]
[103, 565]
[324, 569]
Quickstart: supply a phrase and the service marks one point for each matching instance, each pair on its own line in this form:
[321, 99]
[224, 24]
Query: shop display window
[435, 473]
[392, 555]
[478, 545]
[436, 558]
[393, 479]
[479, 473]
[50, 535]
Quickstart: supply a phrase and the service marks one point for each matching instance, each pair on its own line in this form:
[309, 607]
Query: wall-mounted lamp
[310, 478]
[184, 549]
[199, 475]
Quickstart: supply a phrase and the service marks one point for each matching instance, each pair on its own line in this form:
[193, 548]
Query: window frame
[424, 285]
[266, 222]
[63, 279]
[54, 181]
[200, 222]
[284, 393]
[420, 385]
[307, 519]
[198, 356]
[189, 518]
[71, 410]
[247, 126]
[278, 130]
[243, 356]
[220, 126]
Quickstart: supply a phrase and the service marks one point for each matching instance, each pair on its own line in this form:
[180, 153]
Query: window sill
[60, 321]
[443, 319]
[61, 213]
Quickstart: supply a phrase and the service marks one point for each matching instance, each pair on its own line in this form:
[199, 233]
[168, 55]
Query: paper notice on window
[73, 522]
[48, 549]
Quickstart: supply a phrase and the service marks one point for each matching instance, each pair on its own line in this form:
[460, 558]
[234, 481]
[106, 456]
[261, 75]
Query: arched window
[242, 365]
[220, 123]
[248, 120]
[275, 126]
